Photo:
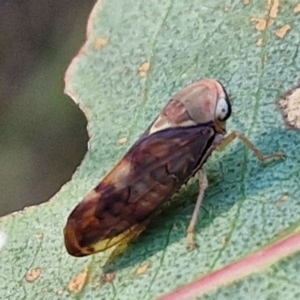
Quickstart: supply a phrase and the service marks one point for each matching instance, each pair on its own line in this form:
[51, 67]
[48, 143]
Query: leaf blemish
[259, 42]
[122, 140]
[143, 69]
[142, 269]
[296, 8]
[290, 106]
[78, 282]
[283, 31]
[261, 24]
[274, 9]
[224, 240]
[38, 237]
[100, 43]
[33, 274]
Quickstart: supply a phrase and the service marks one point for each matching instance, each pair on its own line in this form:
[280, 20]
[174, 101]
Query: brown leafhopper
[172, 150]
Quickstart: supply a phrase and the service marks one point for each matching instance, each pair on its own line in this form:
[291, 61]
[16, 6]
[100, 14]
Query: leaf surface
[137, 55]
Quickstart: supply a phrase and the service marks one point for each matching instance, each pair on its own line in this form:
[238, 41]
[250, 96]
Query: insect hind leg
[203, 184]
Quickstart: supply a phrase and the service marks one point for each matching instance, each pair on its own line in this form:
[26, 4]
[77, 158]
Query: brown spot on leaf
[259, 42]
[33, 274]
[290, 105]
[77, 283]
[296, 8]
[143, 69]
[122, 140]
[100, 43]
[283, 30]
[142, 269]
[246, 2]
[274, 9]
[261, 24]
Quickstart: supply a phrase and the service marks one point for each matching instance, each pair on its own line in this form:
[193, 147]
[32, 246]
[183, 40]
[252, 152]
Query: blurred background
[43, 134]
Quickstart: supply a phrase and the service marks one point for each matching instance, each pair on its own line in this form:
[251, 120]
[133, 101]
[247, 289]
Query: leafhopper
[174, 148]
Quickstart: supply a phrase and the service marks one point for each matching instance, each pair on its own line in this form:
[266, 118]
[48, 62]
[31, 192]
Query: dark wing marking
[150, 173]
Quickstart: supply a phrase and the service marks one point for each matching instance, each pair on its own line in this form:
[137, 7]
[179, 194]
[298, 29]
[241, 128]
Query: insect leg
[203, 184]
[233, 135]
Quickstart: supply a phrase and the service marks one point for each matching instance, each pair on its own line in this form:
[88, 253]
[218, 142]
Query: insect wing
[150, 173]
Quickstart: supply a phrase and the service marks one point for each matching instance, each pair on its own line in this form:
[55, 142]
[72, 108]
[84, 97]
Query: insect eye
[223, 109]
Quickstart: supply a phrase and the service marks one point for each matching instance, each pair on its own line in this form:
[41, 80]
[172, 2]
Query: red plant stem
[251, 264]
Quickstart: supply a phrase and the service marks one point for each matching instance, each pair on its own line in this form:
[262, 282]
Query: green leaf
[182, 41]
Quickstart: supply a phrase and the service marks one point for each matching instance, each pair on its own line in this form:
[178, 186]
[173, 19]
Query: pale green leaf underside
[183, 41]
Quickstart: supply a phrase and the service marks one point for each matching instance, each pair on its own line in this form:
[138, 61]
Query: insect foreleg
[203, 184]
[233, 135]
